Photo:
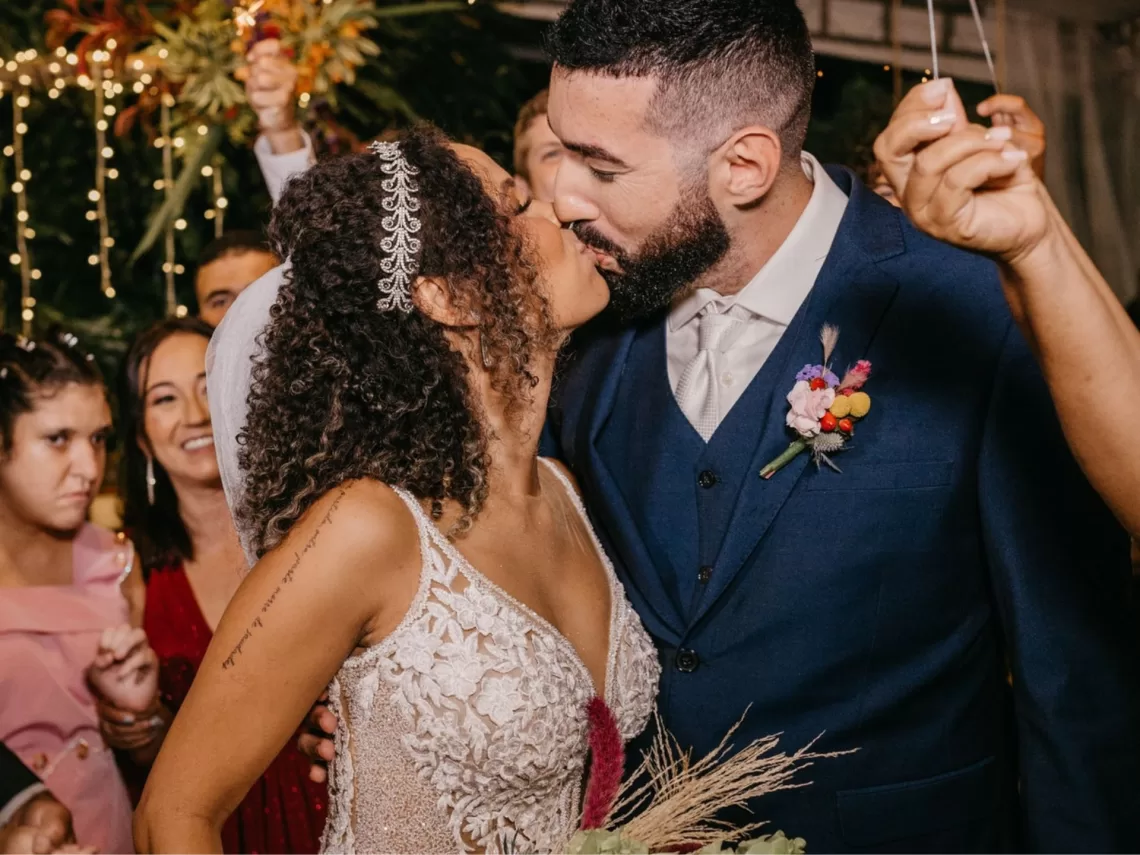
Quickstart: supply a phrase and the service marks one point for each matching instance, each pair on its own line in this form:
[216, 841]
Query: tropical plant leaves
[191, 171]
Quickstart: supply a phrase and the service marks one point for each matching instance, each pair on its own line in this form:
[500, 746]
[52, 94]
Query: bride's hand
[317, 742]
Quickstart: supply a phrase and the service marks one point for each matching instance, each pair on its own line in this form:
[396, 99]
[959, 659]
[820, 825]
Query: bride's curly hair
[343, 390]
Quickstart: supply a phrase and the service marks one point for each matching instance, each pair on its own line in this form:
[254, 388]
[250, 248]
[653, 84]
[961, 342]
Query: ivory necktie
[698, 391]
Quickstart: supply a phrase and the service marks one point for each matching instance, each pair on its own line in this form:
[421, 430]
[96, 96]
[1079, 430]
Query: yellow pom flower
[841, 409]
[860, 404]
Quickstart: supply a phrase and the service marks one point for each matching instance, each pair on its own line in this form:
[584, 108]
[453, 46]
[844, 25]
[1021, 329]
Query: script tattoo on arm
[231, 660]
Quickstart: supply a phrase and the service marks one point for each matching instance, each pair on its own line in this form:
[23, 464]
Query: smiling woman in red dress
[176, 511]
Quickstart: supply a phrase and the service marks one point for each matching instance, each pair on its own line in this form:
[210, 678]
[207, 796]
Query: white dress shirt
[767, 304]
[277, 169]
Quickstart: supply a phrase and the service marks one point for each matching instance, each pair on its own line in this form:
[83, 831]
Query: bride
[416, 556]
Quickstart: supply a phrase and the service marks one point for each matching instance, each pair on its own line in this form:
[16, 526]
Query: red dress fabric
[284, 811]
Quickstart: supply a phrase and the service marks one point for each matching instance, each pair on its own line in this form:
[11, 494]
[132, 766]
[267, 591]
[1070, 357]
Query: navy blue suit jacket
[882, 607]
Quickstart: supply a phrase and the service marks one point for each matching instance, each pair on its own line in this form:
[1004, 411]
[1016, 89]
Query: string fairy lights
[26, 73]
[104, 88]
[106, 81]
[24, 233]
[165, 143]
[217, 211]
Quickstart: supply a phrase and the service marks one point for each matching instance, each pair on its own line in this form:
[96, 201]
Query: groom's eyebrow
[595, 152]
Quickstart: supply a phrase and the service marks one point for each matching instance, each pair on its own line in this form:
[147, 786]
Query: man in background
[227, 267]
[538, 152]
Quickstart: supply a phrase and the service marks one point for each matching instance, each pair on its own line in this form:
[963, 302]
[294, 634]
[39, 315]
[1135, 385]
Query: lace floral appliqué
[466, 728]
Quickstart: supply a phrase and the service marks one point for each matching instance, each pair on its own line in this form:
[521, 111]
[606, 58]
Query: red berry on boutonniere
[828, 423]
[847, 426]
[818, 383]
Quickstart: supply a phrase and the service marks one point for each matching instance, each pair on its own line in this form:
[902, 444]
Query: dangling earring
[150, 482]
[487, 363]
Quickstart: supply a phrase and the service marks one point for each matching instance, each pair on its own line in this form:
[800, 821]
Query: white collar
[779, 288]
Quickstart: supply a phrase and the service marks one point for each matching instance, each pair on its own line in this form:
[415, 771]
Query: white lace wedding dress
[465, 730]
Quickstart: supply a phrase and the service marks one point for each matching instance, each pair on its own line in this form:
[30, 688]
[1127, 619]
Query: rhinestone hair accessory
[400, 246]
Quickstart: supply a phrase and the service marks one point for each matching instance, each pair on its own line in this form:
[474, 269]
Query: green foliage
[184, 185]
[199, 56]
[847, 135]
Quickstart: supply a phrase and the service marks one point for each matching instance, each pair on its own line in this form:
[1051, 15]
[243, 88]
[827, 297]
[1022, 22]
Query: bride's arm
[298, 615]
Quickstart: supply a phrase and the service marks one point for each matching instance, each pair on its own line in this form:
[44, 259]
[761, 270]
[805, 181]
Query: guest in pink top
[65, 583]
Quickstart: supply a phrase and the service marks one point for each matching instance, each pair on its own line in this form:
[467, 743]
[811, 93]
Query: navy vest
[682, 490]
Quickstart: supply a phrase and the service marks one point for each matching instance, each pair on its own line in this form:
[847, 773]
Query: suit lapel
[608, 502]
[852, 293]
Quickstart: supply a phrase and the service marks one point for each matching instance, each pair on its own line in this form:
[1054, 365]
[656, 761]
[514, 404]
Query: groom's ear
[746, 166]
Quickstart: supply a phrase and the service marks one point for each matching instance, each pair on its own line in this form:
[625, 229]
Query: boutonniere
[824, 408]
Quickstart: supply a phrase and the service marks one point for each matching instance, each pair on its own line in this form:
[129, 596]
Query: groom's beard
[690, 242]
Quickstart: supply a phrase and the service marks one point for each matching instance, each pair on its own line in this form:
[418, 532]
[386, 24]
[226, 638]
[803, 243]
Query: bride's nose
[543, 211]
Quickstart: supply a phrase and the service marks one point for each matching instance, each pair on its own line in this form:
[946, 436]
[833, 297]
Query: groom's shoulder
[923, 266]
[937, 279]
[940, 261]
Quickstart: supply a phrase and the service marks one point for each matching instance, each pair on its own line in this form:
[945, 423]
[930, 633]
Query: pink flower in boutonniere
[808, 406]
[824, 409]
[856, 377]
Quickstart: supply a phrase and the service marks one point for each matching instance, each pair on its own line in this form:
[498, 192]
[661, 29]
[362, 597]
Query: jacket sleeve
[1061, 576]
[277, 169]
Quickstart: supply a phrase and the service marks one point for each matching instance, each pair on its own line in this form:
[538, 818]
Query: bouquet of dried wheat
[672, 803]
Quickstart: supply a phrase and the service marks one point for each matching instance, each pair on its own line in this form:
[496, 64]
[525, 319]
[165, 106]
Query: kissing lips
[605, 261]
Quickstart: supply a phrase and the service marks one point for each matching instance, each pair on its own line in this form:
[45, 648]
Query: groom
[882, 605]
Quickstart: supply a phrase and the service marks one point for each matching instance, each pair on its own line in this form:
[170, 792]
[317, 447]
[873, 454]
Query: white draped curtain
[1082, 80]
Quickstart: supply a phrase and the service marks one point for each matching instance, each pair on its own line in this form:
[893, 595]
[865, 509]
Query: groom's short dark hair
[721, 64]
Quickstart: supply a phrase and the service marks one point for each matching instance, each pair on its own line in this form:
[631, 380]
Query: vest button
[704, 574]
[687, 661]
[707, 479]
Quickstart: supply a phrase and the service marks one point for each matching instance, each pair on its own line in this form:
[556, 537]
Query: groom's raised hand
[317, 742]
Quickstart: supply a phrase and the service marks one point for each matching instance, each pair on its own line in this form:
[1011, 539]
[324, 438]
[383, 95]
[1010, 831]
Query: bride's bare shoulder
[358, 521]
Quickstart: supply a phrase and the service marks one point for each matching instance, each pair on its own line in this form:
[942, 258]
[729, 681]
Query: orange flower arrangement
[326, 37]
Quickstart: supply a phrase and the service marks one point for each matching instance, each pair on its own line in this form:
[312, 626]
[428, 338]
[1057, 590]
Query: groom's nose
[571, 205]
[573, 208]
